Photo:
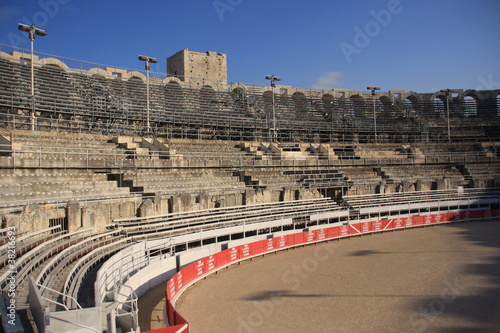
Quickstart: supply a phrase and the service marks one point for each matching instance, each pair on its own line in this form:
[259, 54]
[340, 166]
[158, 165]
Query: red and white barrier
[205, 266]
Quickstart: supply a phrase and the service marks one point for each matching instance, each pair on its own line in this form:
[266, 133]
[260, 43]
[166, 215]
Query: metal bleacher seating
[211, 142]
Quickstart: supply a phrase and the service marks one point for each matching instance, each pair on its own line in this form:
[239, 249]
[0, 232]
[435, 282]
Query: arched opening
[357, 107]
[439, 105]
[239, 94]
[470, 106]
[498, 105]
[239, 97]
[384, 107]
[208, 100]
[136, 91]
[173, 97]
[97, 96]
[52, 84]
[300, 102]
[328, 106]
[411, 106]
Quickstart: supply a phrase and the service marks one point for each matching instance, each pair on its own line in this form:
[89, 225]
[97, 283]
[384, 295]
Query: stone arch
[170, 79]
[97, 95]
[411, 105]
[300, 102]
[136, 90]
[137, 75]
[240, 100]
[439, 104]
[54, 62]
[328, 106]
[208, 98]
[357, 106]
[239, 93]
[470, 103]
[498, 104]
[98, 71]
[49, 77]
[173, 96]
[384, 105]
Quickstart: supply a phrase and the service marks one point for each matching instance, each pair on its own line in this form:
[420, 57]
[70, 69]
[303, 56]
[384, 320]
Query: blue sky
[412, 45]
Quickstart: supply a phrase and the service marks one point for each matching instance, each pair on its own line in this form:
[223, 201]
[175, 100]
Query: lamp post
[33, 31]
[447, 93]
[373, 89]
[273, 79]
[147, 61]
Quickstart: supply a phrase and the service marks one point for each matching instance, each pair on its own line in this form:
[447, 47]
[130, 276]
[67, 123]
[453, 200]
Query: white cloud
[8, 12]
[328, 81]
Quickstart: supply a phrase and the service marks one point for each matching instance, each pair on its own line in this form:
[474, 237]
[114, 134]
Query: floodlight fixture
[33, 31]
[273, 78]
[148, 59]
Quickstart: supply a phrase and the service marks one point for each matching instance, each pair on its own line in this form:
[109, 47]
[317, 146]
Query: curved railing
[208, 265]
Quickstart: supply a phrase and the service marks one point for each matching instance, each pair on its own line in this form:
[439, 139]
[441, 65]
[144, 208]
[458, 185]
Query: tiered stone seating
[59, 145]
[48, 186]
[226, 151]
[456, 152]
[271, 179]
[188, 181]
[426, 174]
[319, 178]
[361, 179]
[384, 151]
[483, 175]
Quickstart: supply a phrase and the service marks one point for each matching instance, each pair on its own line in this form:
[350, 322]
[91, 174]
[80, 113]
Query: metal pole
[374, 116]
[373, 88]
[32, 113]
[32, 31]
[147, 98]
[147, 60]
[447, 94]
[274, 117]
[448, 114]
[273, 79]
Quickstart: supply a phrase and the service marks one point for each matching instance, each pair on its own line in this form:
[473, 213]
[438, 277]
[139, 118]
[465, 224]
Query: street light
[147, 60]
[447, 93]
[273, 79]
[373, 89]
[33, 31]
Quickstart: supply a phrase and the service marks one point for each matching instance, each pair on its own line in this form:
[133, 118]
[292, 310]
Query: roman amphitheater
[115, 181]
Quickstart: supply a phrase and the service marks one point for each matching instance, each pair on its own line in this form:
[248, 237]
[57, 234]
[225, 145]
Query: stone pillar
[181, 203]
[288, 194]
[419, 185]
[383, 186]
[442, 184]
[94, 217]
[161, 204]
[408, 186]
[74, 214]
[147, 208]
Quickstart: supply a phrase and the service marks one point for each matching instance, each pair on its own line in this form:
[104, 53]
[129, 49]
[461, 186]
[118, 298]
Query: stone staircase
[144, 148]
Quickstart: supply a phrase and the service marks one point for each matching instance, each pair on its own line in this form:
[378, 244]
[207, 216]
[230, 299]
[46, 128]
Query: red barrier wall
[207, 265]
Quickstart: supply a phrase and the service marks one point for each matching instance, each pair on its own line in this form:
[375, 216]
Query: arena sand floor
[436, 279]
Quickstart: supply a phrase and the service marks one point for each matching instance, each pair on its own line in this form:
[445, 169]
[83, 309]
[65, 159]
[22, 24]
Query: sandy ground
[435, 279]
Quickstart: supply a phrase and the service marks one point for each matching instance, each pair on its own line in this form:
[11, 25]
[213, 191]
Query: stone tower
[198, 68]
